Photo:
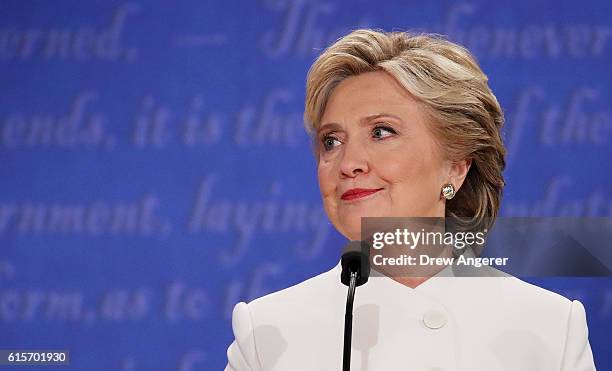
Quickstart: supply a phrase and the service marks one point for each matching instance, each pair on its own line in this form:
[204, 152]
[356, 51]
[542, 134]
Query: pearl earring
[448, 191]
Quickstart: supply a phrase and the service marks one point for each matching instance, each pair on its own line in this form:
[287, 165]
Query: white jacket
[446, 323]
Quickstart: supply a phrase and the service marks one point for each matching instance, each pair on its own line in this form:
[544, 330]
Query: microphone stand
[348, 323]
[355, 272]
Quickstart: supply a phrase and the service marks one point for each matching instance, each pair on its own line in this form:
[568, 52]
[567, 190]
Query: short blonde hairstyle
[463, 112]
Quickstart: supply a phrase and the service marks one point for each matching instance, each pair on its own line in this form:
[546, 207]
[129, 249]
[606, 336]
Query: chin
[352, 230]
[350, 225]
[353, 235]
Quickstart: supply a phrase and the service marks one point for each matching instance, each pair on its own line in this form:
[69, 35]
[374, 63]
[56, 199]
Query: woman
[406, 125]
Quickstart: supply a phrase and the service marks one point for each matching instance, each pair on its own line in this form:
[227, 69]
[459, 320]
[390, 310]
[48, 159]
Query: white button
[434, 319]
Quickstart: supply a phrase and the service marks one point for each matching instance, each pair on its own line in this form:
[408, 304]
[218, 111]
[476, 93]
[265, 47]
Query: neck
[411, 282]
[418, 277]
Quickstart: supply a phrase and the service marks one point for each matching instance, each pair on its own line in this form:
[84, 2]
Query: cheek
[327, 182]
[327, 187]
[400, 166]
[415, 170]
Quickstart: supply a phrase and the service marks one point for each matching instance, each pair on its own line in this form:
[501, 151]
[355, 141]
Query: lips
[356, 193]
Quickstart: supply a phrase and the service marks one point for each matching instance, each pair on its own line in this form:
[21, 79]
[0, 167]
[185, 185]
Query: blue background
[154, 170]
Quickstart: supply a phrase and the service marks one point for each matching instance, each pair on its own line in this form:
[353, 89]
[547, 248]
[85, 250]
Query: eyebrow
[363, 121]
[379, 115]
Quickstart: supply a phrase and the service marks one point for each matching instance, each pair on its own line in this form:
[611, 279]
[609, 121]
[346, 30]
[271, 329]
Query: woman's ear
[458, 171]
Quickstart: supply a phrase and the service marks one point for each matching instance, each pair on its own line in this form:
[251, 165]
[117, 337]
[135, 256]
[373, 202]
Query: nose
[354, 160]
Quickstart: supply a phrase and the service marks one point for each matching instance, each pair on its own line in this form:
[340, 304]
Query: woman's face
[377, 157]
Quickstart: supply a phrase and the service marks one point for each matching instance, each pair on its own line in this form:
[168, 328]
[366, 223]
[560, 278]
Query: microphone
[355, 272]
[355, 258]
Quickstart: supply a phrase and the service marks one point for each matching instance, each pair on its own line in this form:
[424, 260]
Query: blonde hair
[463, 113]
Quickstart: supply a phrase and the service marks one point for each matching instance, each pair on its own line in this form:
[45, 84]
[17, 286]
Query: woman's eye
[329, 142]
[381, 132]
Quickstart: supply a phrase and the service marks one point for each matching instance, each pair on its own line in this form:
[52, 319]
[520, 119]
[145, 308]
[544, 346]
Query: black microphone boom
[355, 272]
